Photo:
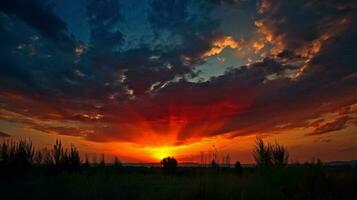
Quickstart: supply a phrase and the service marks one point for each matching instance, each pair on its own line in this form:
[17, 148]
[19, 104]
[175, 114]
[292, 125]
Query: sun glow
[158, 153]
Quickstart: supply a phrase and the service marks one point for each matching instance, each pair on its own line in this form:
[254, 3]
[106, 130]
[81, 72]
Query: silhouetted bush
[47, 158]
[262, 153]
[16, 155]
[169, 164]
[74, 160]
[280, 154]
[268, 155]
[38, 157]
[59, 159]
[58, 155]
[20, 155]
[238, 168]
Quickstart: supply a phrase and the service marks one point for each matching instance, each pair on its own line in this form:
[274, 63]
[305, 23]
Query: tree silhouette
[169, 164]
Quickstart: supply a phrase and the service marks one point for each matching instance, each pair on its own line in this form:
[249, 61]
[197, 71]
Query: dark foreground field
[293, 182]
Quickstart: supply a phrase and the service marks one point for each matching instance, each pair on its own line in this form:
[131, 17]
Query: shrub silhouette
[268, 155]
[47, 159]
[238, 168]
[73, 159]
[17, 155]
[262, 153]
[58, 154]
[24, 153]
[20, 155]
[280, 154]
[60, 159]
[38, 157]
[169, 164]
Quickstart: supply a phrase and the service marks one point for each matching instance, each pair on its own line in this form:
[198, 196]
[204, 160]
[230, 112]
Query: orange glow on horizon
[158, 153]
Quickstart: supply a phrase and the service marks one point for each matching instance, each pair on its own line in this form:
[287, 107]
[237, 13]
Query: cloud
[42, 19]
[219, 45]
[303, 26]
[336, 125]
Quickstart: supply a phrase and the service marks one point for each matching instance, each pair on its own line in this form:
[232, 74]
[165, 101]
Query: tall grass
[280, 154]
[60, 159]
[262, 153]
[17, 154]
[266, 154]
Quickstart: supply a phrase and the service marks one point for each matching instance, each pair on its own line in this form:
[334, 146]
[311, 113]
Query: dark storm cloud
[105, 90]
[35, 62]
[42, 19]
[32, 39]
[297, 24]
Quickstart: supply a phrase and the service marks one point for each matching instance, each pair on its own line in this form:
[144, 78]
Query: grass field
[292, 182]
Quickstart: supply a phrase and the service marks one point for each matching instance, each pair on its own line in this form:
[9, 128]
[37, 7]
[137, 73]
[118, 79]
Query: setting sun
[158, 153]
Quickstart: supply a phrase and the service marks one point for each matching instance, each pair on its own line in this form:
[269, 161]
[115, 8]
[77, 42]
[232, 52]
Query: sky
[146, 79]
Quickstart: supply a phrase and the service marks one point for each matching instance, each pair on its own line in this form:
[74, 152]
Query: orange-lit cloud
[258, 46]
[220, 44]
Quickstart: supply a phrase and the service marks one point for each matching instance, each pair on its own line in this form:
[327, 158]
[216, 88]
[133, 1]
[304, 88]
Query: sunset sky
[146, 79]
